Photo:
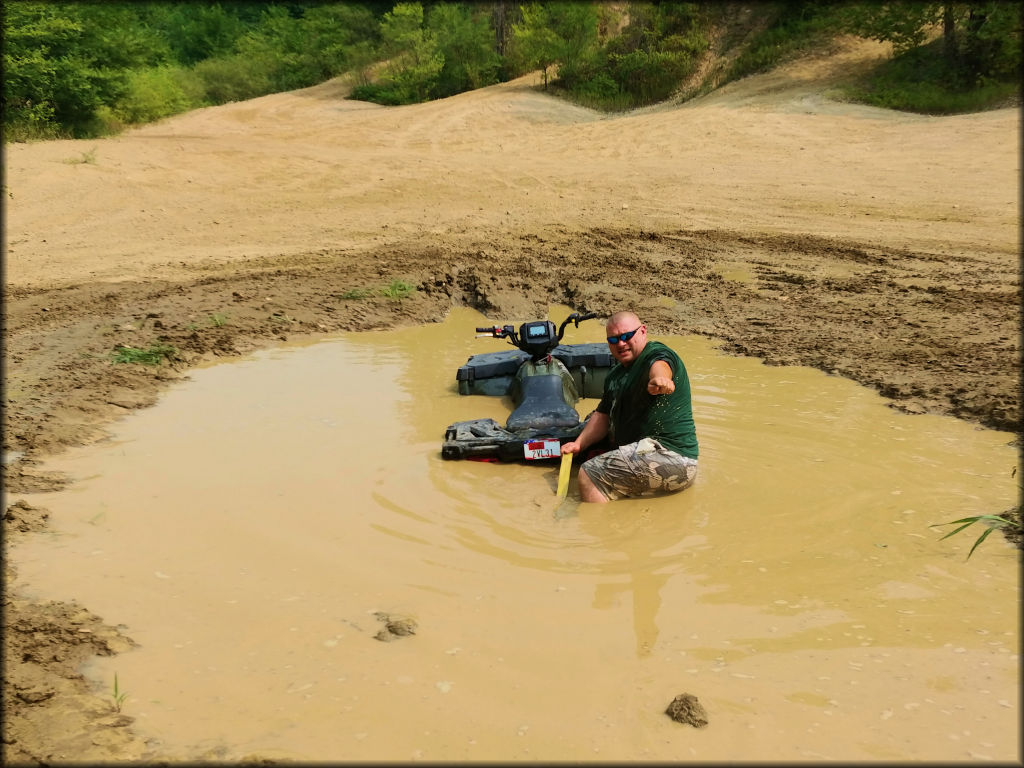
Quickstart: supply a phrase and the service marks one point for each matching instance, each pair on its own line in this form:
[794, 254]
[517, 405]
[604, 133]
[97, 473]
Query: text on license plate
[542, 449]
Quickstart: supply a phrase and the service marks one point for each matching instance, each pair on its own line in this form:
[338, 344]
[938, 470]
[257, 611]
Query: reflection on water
[246, 529]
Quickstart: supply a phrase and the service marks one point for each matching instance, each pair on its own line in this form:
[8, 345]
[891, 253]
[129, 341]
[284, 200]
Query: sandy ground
[879, 246]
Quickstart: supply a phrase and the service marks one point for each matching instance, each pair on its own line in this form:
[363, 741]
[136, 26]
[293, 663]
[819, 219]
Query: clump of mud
[394, 626]
[23, 517]
[685, 708]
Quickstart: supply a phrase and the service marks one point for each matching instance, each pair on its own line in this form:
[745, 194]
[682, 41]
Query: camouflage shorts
[643, 468]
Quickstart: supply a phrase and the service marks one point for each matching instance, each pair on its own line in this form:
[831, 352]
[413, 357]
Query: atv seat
[543, 406]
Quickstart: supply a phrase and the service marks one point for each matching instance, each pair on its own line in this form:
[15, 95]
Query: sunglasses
[623, 336]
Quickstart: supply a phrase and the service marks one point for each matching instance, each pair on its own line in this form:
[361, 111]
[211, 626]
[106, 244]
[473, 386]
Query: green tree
[345, 36]
[979, 40]
[534, 43]
[64, 61]
[656, 49]
[414, 58]
[575, 25]
[195, 31]
[466, 42]
[562, 33]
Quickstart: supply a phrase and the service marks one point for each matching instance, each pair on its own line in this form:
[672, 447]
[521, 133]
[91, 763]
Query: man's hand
[661, 385]
[573, 447]
[660, 380]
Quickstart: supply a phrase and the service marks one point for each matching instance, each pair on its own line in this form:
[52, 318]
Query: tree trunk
[949, 41]
[977, 52]
[500, 18]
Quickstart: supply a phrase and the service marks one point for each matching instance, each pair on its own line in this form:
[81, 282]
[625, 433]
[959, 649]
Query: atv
[544, 379]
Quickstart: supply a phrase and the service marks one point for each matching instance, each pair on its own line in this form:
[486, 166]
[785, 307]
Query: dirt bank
[876, 246]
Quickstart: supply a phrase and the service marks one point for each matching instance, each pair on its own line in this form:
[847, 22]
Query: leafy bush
[651, 57]
[921, 80]
[195, 31]
[465, 41]
[414, 58]
[378, 93]
[64, 61]
[650, 76]
[287, 54]
[157, 92]
[232, 78]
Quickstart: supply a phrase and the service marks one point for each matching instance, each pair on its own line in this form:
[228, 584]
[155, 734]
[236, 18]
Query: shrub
[158, 92]
[232, 78]
[920, 80]
[650, 76]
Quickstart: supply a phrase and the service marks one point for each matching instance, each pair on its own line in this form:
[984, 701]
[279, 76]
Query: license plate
[542, 449]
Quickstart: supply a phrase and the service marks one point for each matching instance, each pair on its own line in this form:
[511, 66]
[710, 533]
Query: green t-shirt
[634, 413]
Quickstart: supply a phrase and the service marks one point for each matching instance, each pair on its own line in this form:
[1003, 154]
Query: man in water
[646, 416]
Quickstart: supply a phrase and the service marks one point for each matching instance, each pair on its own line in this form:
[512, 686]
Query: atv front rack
[492, 373]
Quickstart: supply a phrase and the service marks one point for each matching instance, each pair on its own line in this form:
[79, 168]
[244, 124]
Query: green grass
[932, 98]
[793, 33]
[993, 522]
[118, 695]
[397, 289]
[152, 355]
[1008, 522]
[920, 81]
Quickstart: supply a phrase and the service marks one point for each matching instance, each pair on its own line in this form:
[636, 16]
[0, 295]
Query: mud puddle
[251, 530]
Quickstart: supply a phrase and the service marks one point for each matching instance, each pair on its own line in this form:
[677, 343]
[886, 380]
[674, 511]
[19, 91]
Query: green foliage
[558, 32]
[904, 24]
[650, 76]
[534, 44]
[118, 695]
[465, 41]
[157, 92]
[646, 63]
[414, 57]
[87, 68]
[796, 27]
[921, 80]
[64, 61]
[152, 355]
[993, 522]
[232, 78]
[195, 31]
[980, 41]
[575, 25]
[296, 52]
[398, 289]
[79, 69]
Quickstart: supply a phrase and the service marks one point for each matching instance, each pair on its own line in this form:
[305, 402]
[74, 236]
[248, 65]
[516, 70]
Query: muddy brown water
[246, 530]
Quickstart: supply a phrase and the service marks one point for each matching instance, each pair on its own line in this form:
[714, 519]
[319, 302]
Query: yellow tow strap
[563, 475]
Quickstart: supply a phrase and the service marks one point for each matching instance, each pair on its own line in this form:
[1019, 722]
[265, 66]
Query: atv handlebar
[539, 337]
[576, 319]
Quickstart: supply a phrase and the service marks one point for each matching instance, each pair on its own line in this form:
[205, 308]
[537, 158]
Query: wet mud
[902, 323]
